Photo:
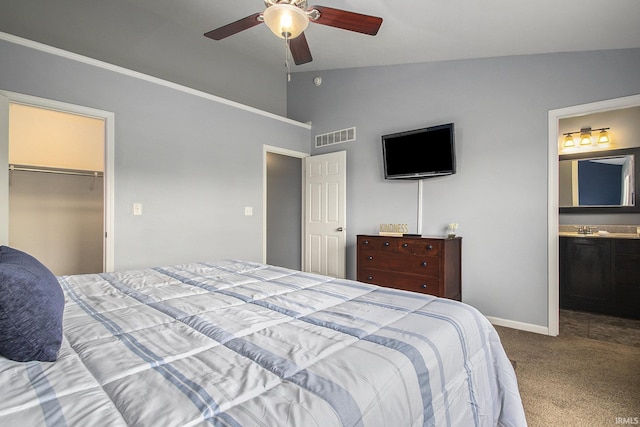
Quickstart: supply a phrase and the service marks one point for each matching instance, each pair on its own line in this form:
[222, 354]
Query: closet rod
[61, 171]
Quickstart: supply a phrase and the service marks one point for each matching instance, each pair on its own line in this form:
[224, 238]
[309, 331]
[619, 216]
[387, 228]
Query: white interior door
[325, 214]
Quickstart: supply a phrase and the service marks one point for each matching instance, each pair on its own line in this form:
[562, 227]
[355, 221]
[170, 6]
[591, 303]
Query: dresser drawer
[420, 247]
[401, 263]
[407, 282]
[386, 244]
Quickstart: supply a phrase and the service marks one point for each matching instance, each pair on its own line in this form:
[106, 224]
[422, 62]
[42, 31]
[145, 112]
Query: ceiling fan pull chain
[286, 57]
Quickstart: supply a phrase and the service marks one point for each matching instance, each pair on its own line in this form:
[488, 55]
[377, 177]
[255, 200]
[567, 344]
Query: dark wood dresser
[430, 265]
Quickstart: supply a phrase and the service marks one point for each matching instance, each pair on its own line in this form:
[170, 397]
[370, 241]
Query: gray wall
[192, 162]
[225, 70]
[284, 211]
[499, 195]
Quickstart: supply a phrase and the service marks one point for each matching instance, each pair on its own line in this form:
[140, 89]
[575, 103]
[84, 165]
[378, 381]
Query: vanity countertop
[602, 231]
[597, 235]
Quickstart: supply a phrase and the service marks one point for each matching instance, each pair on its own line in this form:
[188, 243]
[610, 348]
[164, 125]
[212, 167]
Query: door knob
[340, 229]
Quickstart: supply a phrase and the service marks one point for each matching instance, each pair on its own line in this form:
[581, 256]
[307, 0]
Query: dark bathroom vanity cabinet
[601, 275]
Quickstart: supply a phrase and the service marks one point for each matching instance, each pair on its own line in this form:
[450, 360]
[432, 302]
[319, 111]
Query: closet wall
[56, 203]
[284, 211]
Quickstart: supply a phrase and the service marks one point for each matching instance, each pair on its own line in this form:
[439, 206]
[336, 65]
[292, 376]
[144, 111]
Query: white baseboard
[519, 325]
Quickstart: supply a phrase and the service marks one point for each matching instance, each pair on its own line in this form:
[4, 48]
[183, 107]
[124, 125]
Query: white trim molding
[528, 327]
[125, 71]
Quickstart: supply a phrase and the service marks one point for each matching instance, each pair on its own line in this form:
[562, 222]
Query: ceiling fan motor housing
[302, 4]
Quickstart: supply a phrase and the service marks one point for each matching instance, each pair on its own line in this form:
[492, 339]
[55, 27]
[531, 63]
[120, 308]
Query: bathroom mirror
[603, 181]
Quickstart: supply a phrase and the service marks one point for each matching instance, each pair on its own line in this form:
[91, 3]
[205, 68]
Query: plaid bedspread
[236, 343]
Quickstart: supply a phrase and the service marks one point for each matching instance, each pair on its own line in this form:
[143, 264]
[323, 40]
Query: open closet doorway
[283, 207]
[58, 183]
[56, 188]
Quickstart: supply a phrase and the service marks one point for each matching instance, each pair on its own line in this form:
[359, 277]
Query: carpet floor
[574, 381]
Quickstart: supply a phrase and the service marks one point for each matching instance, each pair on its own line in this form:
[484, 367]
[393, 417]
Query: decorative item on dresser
[430, 265]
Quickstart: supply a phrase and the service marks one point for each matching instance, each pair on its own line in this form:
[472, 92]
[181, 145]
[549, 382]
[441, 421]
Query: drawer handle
[369, 257]
[423, 263]
[404, 245]
[429, 247]
[386, 243]
[369, 277]
[366, 242]
[424, 286]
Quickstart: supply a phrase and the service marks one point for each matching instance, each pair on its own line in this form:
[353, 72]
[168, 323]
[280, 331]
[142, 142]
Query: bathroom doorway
[553, 192]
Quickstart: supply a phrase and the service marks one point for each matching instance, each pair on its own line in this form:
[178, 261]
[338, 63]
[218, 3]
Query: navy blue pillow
[31, 308]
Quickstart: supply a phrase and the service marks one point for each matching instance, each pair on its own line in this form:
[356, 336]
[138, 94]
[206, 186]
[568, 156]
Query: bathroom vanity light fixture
[585, 137]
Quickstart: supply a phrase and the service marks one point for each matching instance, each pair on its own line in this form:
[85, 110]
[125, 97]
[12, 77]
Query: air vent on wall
[337, 137]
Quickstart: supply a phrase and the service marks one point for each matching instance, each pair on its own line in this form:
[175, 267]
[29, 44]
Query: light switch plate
[137, 208]
[248, 211]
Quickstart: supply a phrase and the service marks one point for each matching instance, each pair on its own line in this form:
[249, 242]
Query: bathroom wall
[624, 131]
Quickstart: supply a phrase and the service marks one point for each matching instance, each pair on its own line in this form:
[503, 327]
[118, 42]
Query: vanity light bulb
[568, 141]
[585, 139]
[603, 138]
[286, 22]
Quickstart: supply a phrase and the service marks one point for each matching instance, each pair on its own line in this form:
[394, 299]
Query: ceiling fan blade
[300, 50]
[365, 24]
[234, 27]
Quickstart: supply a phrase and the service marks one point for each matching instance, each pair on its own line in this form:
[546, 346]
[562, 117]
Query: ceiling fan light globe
[285, 20]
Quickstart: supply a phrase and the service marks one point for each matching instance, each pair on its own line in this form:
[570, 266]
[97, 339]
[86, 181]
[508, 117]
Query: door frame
[290, 153]
[553, 215]
[109, 144]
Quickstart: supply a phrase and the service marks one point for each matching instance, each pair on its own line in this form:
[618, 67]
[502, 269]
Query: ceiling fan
[289, 18]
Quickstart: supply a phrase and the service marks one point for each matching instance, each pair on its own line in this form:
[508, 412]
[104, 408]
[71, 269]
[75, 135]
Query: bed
[236, 343]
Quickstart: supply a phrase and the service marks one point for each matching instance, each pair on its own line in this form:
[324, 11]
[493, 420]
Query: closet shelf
[63, 171]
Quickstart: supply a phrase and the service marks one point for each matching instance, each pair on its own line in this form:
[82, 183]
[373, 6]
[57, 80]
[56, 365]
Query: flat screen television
[421, 153]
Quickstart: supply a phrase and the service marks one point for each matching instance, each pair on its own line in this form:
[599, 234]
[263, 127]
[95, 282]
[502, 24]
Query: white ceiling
[131, 33]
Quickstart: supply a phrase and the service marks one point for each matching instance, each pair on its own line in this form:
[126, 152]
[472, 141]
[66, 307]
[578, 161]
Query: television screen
[420, 153]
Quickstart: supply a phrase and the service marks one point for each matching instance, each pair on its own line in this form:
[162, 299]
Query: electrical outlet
[137, 208]
[248, 211]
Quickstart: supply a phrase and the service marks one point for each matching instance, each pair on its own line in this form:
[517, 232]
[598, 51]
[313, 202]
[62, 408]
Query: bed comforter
[237, 343]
